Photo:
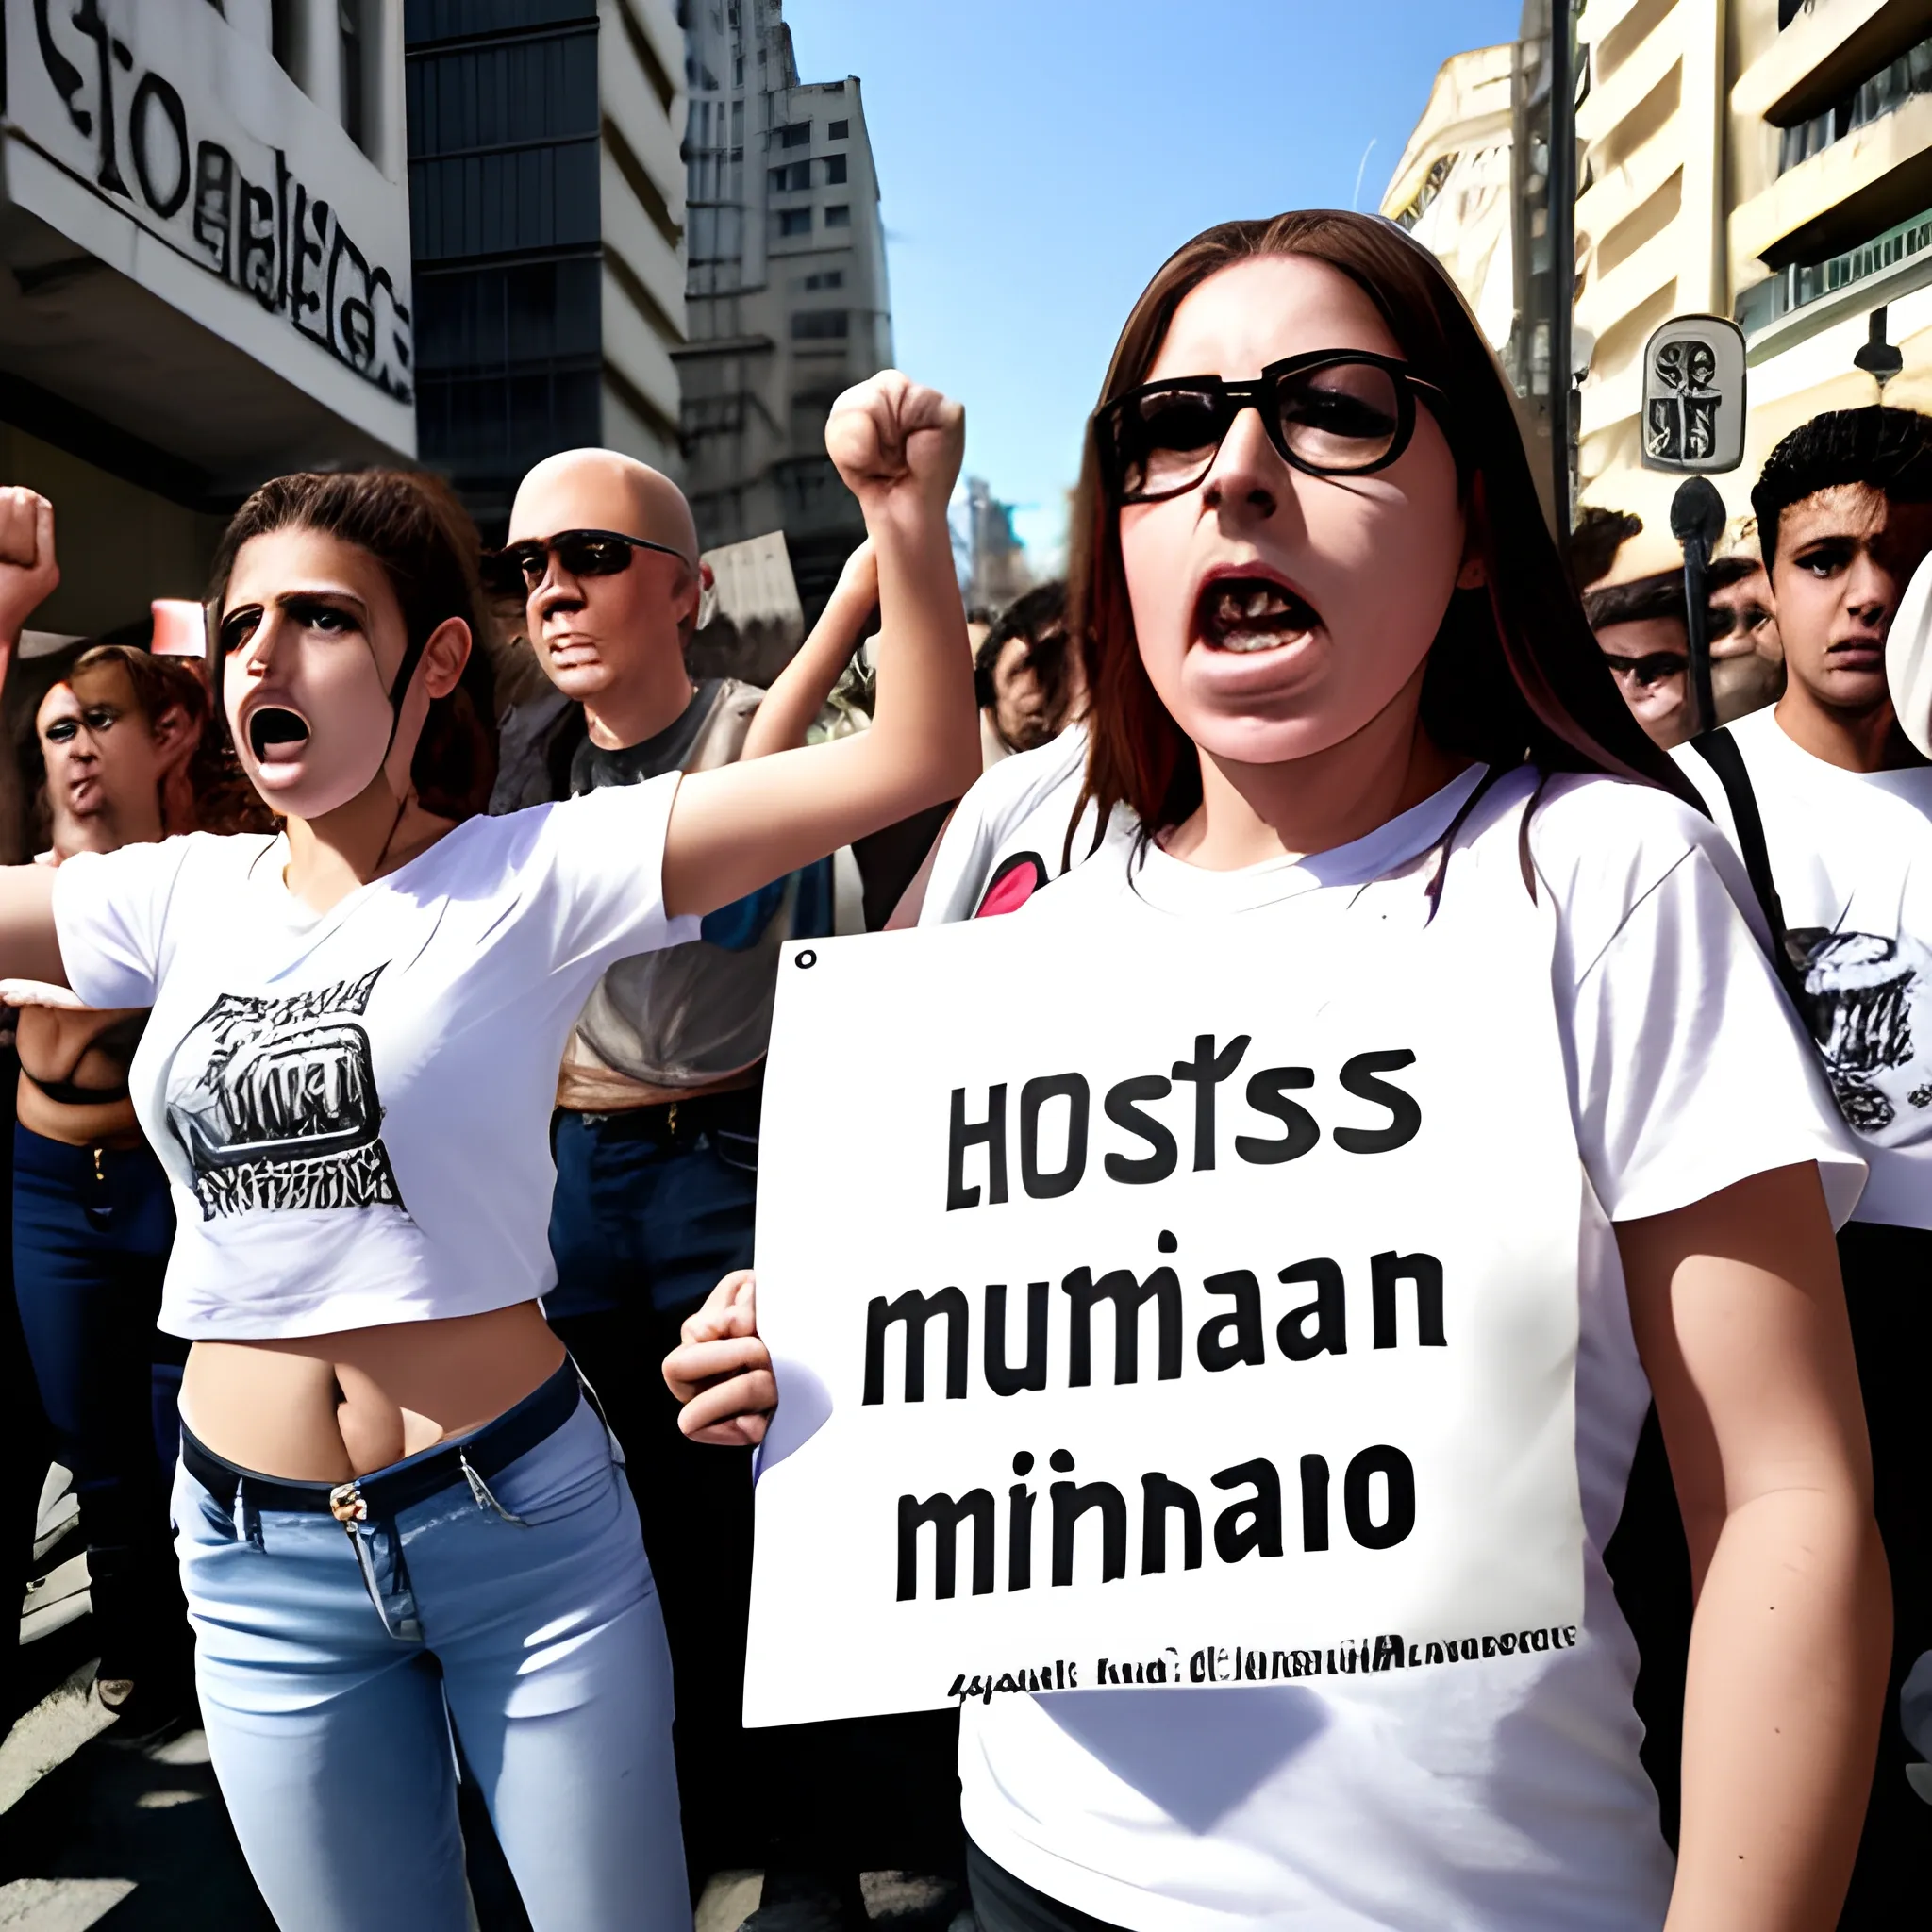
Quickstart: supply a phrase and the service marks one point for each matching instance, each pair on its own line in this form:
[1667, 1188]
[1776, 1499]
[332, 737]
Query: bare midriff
[325, 1408]
[55, 1044]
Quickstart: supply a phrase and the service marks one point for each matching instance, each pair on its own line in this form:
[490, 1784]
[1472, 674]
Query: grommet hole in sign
[806, 960]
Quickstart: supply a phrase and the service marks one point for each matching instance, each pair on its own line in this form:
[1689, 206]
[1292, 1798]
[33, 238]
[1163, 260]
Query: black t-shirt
[594, 768]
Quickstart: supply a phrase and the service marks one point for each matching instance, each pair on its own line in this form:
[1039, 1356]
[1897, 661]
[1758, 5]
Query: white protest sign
[1149, 1307]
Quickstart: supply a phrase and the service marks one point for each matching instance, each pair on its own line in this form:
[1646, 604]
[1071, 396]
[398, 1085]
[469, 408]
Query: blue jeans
[641, 1226]
[540, 1647]
[91, 1229]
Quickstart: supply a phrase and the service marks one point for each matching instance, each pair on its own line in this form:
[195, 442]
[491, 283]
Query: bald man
[655, 1136]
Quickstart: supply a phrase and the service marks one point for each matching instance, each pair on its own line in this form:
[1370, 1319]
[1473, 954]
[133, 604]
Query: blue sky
[1039, 159]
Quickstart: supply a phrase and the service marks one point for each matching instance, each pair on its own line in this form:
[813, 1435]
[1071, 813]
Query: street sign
[1693, 397]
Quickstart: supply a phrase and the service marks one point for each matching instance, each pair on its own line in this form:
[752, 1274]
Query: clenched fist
[897, 445]
[28, 569]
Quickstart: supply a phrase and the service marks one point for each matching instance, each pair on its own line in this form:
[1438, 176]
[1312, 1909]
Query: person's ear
[1472, 575]
[175, 734]
[444, 656]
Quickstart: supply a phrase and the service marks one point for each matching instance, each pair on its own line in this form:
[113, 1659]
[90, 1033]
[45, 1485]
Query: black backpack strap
[1719, 750]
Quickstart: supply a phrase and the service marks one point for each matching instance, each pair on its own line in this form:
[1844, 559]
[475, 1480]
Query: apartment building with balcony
[204, 224]
[1770, 159]
[547, 212]
[1451, 188]
[787, 295]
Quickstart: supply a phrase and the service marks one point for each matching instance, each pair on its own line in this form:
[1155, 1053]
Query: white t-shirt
[353, 1106]
[1506, 1794]
[1851, 856]
[1008, 832]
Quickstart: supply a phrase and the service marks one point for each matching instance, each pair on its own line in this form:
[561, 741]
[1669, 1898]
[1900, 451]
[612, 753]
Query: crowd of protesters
[393, 988]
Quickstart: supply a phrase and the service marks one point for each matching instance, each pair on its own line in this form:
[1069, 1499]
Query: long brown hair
[1514, 675]
[414, 528]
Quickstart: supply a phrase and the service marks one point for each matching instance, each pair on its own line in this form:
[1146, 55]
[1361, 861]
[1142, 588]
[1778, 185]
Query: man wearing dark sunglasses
[656, 1134]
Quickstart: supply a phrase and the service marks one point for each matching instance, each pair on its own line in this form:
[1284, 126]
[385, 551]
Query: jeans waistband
[384, 1491]
[60, 1160]
[736, 1112]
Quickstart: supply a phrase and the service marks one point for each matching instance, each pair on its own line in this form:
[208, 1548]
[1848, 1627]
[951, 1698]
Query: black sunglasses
[518, 568]
[1335, 412]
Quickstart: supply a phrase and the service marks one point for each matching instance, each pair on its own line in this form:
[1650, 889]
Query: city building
[547, 195]
[204, 221]
[1769, 160]
[786, 295]
[1451, 190]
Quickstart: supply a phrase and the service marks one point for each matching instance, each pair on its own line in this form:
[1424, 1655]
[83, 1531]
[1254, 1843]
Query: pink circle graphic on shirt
[1016, 882]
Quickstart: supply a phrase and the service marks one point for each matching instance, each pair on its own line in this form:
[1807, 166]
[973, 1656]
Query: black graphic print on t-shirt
[284, 1112]
[1863, 993]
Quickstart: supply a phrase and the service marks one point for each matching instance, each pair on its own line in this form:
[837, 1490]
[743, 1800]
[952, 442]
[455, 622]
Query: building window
[791, 179]
[358, 38]
[835, 171]
[839, 130]
[285, 33]
[830, 279]
[794, 221]
[821, 326]
[840, 217]
[797, 135]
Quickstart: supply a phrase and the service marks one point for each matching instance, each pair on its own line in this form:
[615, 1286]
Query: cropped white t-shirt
[1505, 1794]
[353, 1106]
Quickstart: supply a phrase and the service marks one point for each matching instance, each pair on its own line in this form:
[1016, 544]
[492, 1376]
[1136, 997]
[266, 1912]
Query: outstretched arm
[735, 829]
[798, 693]
[1740, 1318]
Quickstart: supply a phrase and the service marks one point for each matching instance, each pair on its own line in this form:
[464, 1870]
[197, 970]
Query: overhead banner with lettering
[1150, 1308]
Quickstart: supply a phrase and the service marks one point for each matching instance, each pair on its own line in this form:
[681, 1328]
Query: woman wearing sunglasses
[398, 1520]
[1342, 692]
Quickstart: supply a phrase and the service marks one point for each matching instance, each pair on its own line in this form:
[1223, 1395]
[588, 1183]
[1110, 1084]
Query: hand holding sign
[722, 1371]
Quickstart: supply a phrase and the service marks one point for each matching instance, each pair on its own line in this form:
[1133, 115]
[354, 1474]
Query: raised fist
[897, 445]
[28, 569]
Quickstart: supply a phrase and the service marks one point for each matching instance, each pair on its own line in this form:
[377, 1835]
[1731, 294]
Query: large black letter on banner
[1399, 1472]
[1122, 1105]
[1405, 1116]
[1234, 1539]
[1329, 1309]
[1071, 1501]
[916, 1310]
[1001, 1379]
[1158, 1494]
[1388, 1268]
[1207, 1068]
[1235, 1336]
[992, 1131]
[1071, 1087]
[1128, 1297]
[1268, 1093]
[945, 1514]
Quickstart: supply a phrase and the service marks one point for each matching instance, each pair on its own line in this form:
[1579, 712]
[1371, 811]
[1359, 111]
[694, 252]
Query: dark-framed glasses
[517, 569]
[1334, 412]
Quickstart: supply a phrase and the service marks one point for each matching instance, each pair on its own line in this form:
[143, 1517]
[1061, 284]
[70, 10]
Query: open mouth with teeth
[275, 732]
[1244, 614]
